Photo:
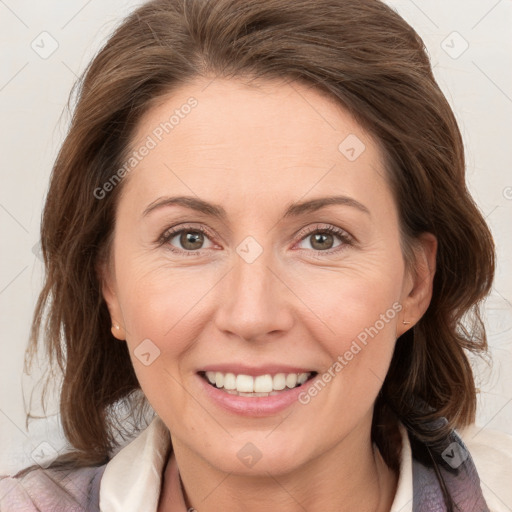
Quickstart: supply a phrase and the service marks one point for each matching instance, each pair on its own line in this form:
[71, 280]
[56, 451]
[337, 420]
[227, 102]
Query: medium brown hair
[366, 57]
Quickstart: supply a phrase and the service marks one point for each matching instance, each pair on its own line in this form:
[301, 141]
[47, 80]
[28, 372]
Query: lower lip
[254, 406]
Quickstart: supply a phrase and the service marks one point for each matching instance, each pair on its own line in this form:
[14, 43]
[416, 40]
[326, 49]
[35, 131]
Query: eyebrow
[293, 210]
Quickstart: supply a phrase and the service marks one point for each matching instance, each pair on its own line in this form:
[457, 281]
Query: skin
[255, 149]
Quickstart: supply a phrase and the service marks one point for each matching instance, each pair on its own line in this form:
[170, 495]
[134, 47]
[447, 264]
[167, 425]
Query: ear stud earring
[406, 323]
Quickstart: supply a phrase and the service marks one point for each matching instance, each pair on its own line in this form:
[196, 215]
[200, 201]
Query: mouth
[256, 386]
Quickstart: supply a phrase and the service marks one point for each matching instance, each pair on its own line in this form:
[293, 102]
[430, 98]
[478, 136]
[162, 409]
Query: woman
[259, 225]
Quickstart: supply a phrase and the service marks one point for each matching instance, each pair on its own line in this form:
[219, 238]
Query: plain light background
[44, 45]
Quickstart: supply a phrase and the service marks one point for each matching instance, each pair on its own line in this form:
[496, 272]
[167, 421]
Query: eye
[325, 239]
[189, 240]
[186, 239]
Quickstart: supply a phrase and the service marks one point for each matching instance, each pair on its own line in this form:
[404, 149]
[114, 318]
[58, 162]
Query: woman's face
[260, 271]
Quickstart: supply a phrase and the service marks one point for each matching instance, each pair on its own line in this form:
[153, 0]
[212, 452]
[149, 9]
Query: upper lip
[243, 369]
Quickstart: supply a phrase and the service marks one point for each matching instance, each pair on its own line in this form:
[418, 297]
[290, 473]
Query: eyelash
[344, 237]
[347, 239]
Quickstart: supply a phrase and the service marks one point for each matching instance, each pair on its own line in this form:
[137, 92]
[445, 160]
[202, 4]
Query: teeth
[303, 377]
[279, 382]
[230, 381]
[262, 385]
[291, 380]
[245, 383]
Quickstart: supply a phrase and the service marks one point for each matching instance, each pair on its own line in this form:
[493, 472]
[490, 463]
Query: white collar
[132, 479]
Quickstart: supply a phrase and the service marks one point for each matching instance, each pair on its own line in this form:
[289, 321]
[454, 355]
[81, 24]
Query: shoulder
[491, 452]
[51, 490]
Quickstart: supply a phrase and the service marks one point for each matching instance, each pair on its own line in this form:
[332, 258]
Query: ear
[417, 291]
[106, 275]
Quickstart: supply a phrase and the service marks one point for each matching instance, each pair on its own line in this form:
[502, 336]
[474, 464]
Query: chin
[258, 456]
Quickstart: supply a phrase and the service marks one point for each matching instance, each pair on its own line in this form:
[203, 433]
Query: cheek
[352, 299]
[359, 353]
[159, 300]
[163, 310]
[365, 334]
[359, 307]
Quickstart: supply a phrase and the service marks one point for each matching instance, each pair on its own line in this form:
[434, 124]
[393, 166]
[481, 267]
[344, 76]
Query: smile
[256, 386]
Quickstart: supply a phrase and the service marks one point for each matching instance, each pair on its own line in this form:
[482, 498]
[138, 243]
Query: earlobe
[118, 332]
[106, 279]
[419, 293]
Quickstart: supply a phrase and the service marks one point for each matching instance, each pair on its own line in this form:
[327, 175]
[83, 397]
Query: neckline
[133, 479]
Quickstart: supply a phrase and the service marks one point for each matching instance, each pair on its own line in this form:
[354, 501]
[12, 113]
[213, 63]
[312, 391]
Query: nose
[254, 302]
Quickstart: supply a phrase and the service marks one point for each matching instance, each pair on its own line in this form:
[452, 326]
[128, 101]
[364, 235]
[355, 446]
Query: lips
[255, 404]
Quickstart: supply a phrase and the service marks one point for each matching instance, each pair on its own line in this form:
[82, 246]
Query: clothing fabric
[131, 480]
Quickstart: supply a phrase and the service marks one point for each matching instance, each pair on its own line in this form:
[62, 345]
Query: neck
[350, 476]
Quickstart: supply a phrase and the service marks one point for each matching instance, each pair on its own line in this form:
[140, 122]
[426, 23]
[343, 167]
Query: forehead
[230, 137]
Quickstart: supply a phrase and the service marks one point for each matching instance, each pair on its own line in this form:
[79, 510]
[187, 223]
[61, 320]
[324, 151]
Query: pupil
[190, 239]
[322, 237]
